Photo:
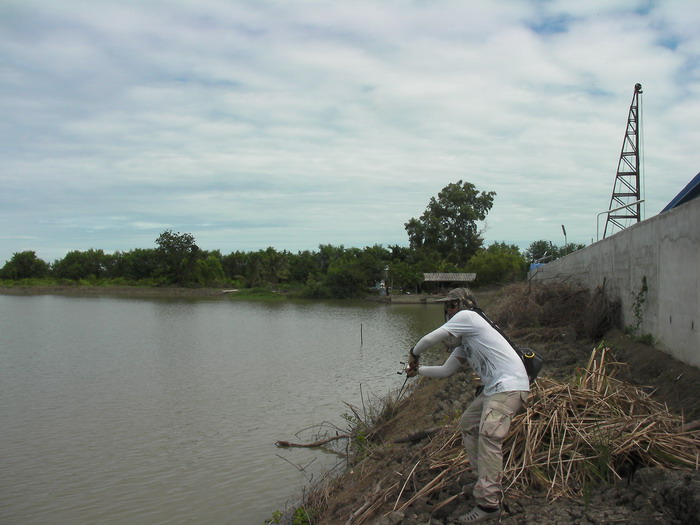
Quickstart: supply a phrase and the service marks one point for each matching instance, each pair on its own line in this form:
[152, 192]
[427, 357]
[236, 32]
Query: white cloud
[294, 124]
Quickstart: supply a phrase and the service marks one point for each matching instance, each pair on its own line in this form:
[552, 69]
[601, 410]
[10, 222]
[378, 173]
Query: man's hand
[412, 370]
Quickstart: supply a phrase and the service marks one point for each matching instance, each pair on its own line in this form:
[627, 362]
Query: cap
[464, 295]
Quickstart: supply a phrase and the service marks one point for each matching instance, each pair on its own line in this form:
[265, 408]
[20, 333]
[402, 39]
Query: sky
[292, 124]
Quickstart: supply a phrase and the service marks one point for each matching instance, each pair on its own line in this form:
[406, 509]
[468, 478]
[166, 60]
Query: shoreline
[122, 291]
[173, 291]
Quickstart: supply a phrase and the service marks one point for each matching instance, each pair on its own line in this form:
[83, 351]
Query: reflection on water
[166, 411]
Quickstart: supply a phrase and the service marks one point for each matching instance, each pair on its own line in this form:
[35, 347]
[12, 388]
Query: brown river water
[155, 411]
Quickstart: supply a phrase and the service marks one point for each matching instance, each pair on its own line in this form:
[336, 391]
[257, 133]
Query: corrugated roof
[449, 277]
[690, 192]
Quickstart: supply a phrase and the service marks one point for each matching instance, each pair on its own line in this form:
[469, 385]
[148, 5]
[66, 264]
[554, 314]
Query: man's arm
[429, 340]
[445, 370]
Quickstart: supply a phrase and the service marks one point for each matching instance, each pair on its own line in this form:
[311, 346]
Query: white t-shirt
[486, 351]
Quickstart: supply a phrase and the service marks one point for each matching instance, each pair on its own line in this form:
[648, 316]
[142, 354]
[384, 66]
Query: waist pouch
[532, 360]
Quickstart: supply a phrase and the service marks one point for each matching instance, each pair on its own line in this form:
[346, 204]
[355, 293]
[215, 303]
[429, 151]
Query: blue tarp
[688, 193]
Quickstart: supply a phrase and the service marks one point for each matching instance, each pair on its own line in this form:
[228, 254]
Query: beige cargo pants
[484, 426]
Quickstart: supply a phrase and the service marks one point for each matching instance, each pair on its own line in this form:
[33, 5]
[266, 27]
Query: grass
[362, 425]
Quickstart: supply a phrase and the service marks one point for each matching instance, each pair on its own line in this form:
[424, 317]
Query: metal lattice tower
[625, 204]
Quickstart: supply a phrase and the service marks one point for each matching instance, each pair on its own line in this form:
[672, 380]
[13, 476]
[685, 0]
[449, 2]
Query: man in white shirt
[486, 421]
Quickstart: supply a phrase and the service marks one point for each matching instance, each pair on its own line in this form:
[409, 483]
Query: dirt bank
[644, 496]
[116, 291]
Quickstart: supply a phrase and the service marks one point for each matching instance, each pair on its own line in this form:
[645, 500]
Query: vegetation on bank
[445, 238]
[585, 428]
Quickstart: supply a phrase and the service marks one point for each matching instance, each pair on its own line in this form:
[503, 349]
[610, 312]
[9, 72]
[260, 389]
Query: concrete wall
[664, 252]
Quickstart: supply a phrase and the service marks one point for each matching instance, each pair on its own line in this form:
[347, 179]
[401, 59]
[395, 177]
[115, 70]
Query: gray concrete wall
[664, 251]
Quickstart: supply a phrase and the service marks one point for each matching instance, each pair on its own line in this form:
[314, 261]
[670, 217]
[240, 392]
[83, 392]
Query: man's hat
[463, 295]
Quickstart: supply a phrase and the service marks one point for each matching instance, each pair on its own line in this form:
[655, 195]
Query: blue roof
[688, 193]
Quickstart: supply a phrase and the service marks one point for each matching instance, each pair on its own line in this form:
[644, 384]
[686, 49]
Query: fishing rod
[403, 387]
[398, 398]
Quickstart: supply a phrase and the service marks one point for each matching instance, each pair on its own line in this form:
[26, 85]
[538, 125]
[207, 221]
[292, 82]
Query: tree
[138, 264]
[404, 276]
[276, 266]
[234, 265]
[77, 265]
[328, 254]
[208, 272]
[571, 247]
[545, 251]
[499, 263]
[541, 251]
[373, 262]
[177, 253]
[345, 279]
[24, 265]
[448, 225]
[302, 266]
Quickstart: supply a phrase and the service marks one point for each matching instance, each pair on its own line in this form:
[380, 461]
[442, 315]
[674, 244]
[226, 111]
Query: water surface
[119, 410]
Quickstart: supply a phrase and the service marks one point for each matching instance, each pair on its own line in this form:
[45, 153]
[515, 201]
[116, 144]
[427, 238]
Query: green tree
[400, 253]
[541, 251]
[545, 251]
[208, 271]
[276, 266]
[303, 266]
[135, 265]
[76, 265]
[234, 265]
[178, 254]
[254, 269]
[571, 247]
[346, 279]
[499, 263]
[24, 265]
[327, 254]
[448, 225]
[405, 276]
[373, 262]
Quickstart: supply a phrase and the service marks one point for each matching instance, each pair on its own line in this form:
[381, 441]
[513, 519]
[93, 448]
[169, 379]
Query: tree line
[445, 238]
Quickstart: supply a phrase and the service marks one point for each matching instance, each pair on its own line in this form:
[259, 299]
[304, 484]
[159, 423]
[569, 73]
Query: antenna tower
[626, 198]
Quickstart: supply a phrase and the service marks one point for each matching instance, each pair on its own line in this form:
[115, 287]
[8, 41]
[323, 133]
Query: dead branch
[318, 443]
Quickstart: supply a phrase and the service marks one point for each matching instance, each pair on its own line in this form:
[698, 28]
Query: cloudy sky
[297, 123]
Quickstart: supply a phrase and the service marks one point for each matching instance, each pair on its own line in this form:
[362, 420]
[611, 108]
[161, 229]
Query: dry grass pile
[554, 305]
[592, 430]
[573, 436]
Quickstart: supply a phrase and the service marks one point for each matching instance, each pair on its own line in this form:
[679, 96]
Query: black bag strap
[495, 327]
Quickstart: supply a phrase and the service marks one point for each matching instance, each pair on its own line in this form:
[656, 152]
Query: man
[485, 422]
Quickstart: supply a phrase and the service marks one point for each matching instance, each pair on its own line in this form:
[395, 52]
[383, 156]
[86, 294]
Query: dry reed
[572, 436]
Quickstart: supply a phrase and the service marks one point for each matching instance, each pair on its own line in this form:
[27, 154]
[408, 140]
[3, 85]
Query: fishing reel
[406, 369]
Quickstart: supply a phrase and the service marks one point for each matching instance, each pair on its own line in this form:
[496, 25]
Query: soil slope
[650, 495]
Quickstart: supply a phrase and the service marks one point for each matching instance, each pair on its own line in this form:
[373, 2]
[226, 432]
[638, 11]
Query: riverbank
[407, 452]
[176, 291]
[122, 291]
[561, 329]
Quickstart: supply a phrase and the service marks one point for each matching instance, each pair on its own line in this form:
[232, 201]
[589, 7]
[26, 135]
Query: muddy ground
[649, 495]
